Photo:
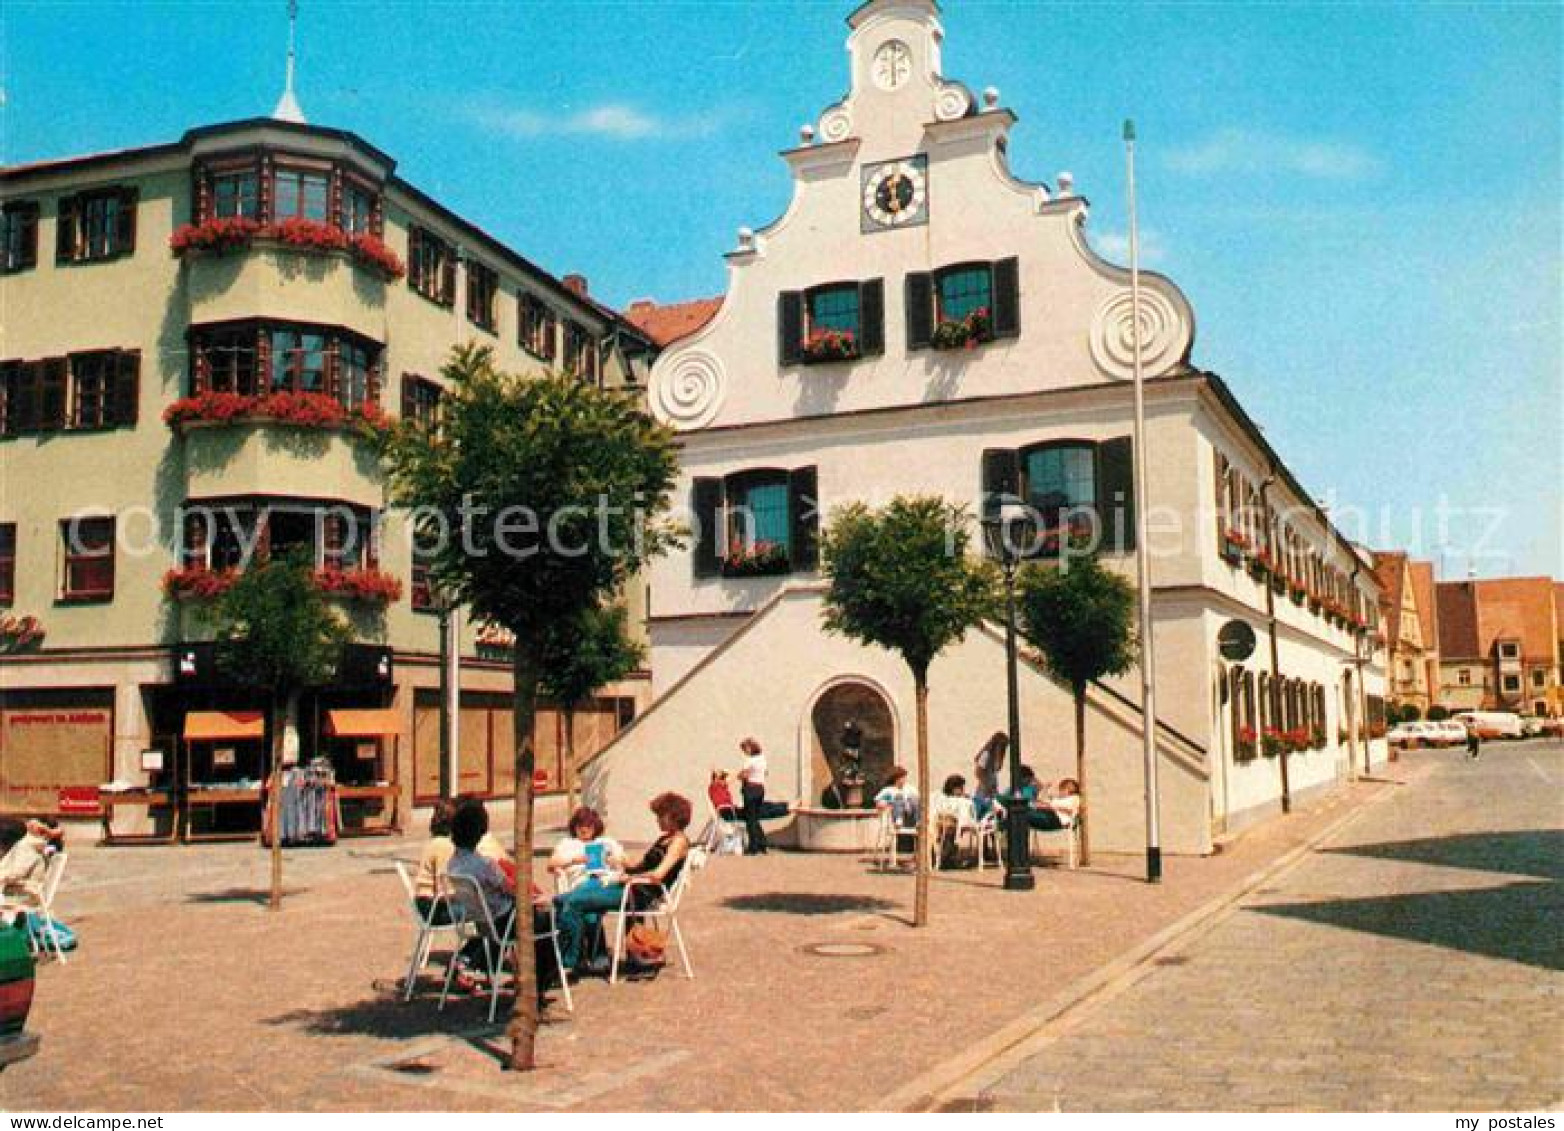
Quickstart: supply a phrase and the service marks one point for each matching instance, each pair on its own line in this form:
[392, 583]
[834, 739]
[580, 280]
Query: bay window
[257, 358]
[236, 194]
[232, 534]
[301, 194]
[298, 361]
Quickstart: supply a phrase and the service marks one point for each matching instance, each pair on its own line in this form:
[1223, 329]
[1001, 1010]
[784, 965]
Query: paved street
[1414, 962]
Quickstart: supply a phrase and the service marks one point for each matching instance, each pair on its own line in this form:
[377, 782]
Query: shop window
[19, 236]
[89, 558]
[757, 522]
[536, 327]
[431, 266]
[96, 226]
[483, 284]
[7, 562]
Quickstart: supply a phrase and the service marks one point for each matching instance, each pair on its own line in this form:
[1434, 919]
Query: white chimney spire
[288, 108]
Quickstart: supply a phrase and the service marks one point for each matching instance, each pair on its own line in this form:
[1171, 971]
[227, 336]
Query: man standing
[1474, 744]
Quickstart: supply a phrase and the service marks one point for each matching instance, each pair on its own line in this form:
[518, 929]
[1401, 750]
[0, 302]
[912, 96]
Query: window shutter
[127, 387]
[407, 397]
[1116, 493]
[1007, 298]
[704, 505]
[448, 276]
[1001, 472]
[65, 230]
[790, 327]
[125, 229]
[803, 513]
[51, 405]
[194, 549]
[920, 310]
[871, 318]
[22, 411]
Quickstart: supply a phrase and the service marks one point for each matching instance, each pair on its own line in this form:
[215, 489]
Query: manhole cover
[1173, 960]
[843, 950]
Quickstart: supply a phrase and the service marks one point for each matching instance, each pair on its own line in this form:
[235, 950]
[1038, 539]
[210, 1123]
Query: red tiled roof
[669, 322]
[1423, 594]
[1457, 602]
[1475, 614]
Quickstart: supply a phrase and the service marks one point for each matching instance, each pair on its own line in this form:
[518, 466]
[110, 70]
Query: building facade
[1406, 609]
[1501, 645]
[921, 321]
[196, 341]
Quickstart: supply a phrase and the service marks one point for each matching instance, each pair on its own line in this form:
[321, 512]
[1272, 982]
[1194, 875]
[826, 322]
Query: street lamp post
[1007, 523]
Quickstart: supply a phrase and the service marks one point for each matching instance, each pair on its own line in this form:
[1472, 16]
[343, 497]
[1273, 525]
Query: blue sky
[1363, 202]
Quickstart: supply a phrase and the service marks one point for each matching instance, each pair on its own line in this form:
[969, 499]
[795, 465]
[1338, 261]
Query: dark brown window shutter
[704, 505]
[448, 276]
[920, 310]
[1007, 298]
[408, 406]
[65, 230]
[22, 412]
[803, 514]
[871, 318]
[127, 387]
[790, 327]
[51, 410]
[125, 231]
[1116, 494]
[1001, 472]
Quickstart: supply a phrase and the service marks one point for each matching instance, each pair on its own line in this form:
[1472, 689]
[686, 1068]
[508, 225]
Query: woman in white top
[752, 783]
[900, 798]
[1060, 810]
[585, 855]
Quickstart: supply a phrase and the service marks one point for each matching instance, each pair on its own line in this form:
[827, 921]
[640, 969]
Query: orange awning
[217, 725]
[377, 723]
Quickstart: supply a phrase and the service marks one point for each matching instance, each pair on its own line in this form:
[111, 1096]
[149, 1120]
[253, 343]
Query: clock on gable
[896, 194]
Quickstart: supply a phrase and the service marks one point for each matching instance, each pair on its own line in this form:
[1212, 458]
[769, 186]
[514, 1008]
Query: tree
[581, 655]
[901, 579]
[276, 630]
[1081, 617]
[533, 499]
[1438, 713]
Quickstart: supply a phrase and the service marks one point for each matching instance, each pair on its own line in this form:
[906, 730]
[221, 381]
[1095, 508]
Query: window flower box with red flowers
[17, 633]
[1261, 563]
[366, 586]
[763, 559]
[197, 583]
[1272, 742]
[830, 345]
[1317, 738]
[1246, 742]
[1234, 544]
[296, 410]
[1296, 740]
[963, 333]
[236, 233]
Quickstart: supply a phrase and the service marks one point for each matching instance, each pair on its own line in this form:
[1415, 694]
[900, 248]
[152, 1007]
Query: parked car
[1410, 735]
[16, 995]
[1493, 724]
[1531, 727]
[1446, 732]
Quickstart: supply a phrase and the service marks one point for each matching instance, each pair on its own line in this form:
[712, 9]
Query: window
[96, 225]
[1080, 488]
[98, 389]
[92, 382]
[298, 361]
[1539, 677]
[301, 194]
[961, 290]
[581, 354]
[236, 193]
[19, 235]
[1463, 677]
[831, 322]
[7, 562]
[355, 374]
[358, 208]
[431, 266]
[225, 361]
[757, 522]
[1510, 650]
[1512, 683]
[89, 559]
[482, 283]
[421, 401]
[536, 328]
[232, 534]
[421, 590]
[940, 302]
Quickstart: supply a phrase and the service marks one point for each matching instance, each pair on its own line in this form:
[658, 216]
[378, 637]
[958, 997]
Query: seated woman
[24, 866]
[656, 869]
[899, 799]
[952, 810]
[585, 854]
[429, 880]
[1059, 810]
[722, 796]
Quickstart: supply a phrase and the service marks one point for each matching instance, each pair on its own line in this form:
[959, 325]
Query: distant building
[1500, 642]
[1410, 624]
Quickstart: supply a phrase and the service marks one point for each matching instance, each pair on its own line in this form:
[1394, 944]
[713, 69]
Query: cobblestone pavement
[1414, 962]
[187, 994]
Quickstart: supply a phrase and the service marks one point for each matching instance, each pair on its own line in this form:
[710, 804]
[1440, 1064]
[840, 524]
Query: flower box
[1233, 546]
[366, 586]
[763, 559]
[1246, 743]
[297, 410]
[197, 583]
[17, 633]
[239, 233]
[963, 333]
[830, 345]
[1272, 742]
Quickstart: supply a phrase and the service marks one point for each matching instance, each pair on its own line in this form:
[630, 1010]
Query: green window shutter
[1007, 298]
[1116, 494]
[790, 327]
[705, 504]
[920, 310]
[871, 318]
[803, 512]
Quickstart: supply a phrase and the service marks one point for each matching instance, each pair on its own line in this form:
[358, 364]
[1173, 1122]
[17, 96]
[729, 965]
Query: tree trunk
[572, 784]
[280, 708]
[920, 891]
[1080, 773]
[523, 1028]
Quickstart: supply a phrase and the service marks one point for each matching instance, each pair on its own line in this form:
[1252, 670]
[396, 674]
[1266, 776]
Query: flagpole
[1148, 699]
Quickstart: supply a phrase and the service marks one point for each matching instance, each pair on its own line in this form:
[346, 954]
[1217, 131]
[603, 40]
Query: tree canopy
[275, 629]
[1081, 617]
[582, 654]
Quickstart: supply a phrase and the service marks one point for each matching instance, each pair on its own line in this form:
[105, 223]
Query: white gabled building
[906, 234]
